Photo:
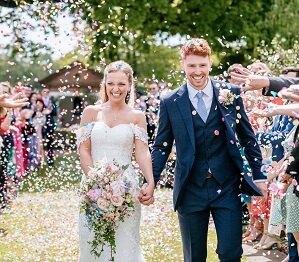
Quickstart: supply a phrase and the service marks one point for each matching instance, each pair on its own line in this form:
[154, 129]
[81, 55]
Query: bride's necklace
[114, 116]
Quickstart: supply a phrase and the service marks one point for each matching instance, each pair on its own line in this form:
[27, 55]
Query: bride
[110, 131]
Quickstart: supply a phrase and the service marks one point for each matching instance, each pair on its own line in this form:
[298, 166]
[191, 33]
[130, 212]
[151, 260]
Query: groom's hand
[146, 195]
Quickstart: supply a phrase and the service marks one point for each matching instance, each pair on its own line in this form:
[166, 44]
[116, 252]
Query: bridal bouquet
[107, 198]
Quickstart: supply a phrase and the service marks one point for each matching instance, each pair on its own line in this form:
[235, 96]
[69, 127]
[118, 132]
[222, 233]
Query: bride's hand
[146, 195]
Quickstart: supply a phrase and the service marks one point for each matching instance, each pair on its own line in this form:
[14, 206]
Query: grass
[42, 220]
[43, 227]
[64, 176]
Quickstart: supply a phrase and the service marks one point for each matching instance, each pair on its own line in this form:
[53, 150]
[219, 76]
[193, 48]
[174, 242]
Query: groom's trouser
[224, 203]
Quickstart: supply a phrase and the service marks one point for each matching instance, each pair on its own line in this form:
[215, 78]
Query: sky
[61, 43]
[64, 41]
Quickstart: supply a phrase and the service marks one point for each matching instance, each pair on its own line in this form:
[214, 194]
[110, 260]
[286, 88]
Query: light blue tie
[201, 107]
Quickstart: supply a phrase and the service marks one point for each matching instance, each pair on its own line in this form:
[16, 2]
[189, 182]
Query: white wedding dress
[113, 144]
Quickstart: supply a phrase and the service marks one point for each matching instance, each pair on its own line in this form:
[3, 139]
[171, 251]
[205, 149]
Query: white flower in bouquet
[92, 173]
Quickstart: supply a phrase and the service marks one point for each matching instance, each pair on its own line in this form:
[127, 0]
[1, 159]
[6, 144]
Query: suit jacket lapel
[222, 109]
[183, 103]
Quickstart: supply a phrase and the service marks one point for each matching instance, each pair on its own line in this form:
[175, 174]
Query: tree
[278, 58]
[26, 71]
[151, 67]
[118, 29]
[123, 29]
[24, 18]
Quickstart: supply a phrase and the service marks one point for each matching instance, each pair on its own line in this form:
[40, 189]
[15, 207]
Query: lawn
[42, 220]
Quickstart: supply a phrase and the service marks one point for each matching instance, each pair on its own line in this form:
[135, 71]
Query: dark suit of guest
[151, 114]
[277, 83]
[49, 129]
[205, 148]
[281, 127]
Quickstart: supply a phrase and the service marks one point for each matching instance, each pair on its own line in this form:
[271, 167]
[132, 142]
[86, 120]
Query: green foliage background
[139, 32]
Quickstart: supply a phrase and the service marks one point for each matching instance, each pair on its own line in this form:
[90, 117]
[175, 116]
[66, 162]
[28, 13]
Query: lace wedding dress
[114, 143]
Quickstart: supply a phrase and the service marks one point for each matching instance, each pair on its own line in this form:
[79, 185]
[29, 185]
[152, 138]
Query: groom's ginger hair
[196, 46]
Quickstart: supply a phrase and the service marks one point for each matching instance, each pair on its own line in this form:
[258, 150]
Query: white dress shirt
[207, 95]
[46, 101]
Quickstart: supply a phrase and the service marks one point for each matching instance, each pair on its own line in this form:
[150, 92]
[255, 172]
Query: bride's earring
[127, 97]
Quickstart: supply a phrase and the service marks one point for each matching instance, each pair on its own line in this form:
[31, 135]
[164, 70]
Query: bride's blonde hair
[114, 67]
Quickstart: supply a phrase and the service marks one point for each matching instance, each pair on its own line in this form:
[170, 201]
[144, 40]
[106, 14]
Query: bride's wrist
[150, 185]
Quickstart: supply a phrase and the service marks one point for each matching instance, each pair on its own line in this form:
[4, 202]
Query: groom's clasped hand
[146, 195]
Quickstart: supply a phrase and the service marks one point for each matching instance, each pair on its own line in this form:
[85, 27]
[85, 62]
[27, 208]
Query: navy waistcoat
[211, 148]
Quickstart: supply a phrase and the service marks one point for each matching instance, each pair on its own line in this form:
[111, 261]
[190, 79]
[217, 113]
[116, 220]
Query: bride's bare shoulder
[139, 117]
[90, 113]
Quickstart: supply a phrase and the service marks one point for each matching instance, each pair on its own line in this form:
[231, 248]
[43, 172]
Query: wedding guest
[258, 207]
[6, 156]
[270, 86]
[29, 134]
[261, 206]
[15, 101]
[288, 169]
[152, 109]
[50, 111]
[39, 120]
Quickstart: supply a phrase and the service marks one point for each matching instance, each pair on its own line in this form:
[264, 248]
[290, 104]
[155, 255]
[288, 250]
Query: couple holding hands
[207, 121]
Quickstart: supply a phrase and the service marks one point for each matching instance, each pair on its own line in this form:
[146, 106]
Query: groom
[206, 118]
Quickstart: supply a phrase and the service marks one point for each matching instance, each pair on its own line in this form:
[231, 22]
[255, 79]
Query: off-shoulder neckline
[126, 124]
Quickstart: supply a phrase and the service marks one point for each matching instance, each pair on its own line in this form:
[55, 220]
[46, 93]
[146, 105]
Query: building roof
[74, 76]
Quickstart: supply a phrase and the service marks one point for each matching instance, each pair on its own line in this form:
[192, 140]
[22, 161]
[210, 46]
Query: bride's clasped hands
[146, 195]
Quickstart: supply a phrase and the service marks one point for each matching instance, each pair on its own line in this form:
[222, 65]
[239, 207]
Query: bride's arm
[84, 147]
[143, 156]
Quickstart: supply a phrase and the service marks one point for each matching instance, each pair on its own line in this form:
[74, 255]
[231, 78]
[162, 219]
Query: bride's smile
[117, 86]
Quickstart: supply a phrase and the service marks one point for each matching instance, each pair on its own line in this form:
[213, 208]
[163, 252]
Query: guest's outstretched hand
[291, 93]
[248, 81]
[13, 101]
[267, 111]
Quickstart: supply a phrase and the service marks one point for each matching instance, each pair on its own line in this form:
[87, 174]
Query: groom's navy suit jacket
[203, 147]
